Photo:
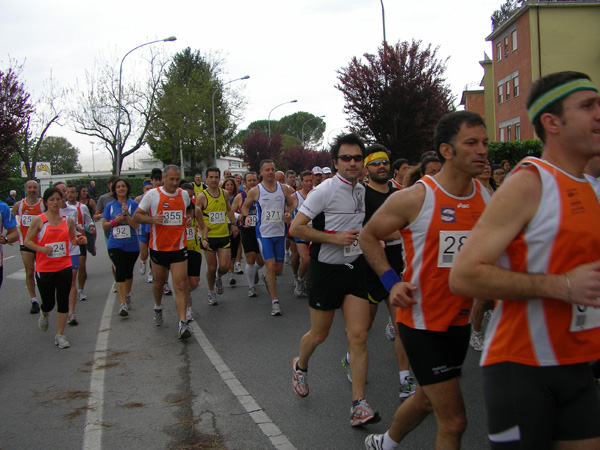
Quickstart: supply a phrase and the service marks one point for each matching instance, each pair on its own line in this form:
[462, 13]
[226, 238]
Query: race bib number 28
[450, 244]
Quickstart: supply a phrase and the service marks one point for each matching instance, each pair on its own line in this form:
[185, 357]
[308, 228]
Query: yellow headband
[377, 155]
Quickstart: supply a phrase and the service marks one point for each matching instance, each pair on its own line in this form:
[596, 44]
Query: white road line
[6, 258]
[92, 432]
[267, 426]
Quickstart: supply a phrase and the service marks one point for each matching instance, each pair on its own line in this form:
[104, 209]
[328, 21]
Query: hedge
[513, 151]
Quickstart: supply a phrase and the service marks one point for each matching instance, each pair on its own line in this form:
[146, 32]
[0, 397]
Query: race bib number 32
[450, 244]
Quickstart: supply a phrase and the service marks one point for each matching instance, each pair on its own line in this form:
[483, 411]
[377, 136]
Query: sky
[290, 49]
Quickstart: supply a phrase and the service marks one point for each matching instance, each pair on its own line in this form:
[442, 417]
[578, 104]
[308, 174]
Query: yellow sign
[42, 170]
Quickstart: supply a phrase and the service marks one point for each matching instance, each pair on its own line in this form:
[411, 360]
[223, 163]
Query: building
[539, 38]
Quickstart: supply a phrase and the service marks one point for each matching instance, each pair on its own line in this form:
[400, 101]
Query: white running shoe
[61, 341]
[189, 314]
[123, 310]
[252, 291]
[477, 340]
[143, 265]
[219, 285]
[299, 289]
[374, 442]
[81, 295]
[150, 278]
[390, 330]
[237, 268]
[408, 388]
[43, 322]
[212, 299]
[275, 309]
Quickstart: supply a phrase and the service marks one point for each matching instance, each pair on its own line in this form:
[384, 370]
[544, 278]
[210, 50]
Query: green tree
[506, 10]
[184, 111]
[60, 153]
[314, 127]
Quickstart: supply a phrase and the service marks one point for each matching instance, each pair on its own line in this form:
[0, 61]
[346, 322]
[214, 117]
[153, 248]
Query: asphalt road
[125, 383]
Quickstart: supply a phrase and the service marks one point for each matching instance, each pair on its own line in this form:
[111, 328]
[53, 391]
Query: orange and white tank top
[563, 234]
[58, 238]
[430, 245]
[26, 214]
[171, 235]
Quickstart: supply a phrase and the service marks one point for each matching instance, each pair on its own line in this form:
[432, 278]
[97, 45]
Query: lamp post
[318, 117]
[329, 134]
[383, 20]
[119, 144]
[213, 112]
[269, 117]
[93, 163]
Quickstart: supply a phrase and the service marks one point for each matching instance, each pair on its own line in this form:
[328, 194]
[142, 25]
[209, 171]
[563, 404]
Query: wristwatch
[5, 239]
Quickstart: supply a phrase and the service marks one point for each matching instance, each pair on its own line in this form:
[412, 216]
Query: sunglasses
[348, 158]
[378, 163]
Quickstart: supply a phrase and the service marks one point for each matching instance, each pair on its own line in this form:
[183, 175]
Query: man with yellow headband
[536, 249]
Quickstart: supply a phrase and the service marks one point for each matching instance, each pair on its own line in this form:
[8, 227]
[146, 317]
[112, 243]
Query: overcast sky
[290, 49]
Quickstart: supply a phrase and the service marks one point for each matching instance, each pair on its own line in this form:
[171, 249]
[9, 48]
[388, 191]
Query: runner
[164, 209]
[52, 236]
[336, 273]
[213, 206]
[254, 260]
[123, 247]
[8, 223]
[434, 217]
[271, 198]
[300, 257]
[84, 219]
[538, 254]
[26, 209]
[143, 235]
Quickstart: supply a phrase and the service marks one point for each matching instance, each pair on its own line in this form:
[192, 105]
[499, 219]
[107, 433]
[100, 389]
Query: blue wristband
[389, 279]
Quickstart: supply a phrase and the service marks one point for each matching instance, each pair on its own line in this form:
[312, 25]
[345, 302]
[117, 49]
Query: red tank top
[58, 238]
[562, 234]
[430, 245]
[26, 214]
[171, 235]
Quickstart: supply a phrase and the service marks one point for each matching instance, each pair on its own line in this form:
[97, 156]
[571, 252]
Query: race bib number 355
[172, 217]
[450, 244]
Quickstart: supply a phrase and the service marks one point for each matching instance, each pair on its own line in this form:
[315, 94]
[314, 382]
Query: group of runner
[426, 251]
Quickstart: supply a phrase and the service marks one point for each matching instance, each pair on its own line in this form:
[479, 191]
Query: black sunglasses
[348, 158]
[379, 162]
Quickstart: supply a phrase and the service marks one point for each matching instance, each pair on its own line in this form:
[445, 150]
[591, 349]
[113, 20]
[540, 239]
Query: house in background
[539, 38]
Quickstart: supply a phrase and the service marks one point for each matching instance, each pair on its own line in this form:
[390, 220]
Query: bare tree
[48, 109]
[95, 110]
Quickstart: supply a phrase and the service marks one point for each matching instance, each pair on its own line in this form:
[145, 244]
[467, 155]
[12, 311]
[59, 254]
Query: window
[508, 90]
[508, 129]
[501, 134]
[514, 40]
[516, 85]
[506, 45]
[498, 51]
[518, 131]
[500, 94]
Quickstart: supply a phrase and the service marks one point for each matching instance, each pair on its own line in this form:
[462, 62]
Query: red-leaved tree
[396, 97]
[258, 146]
[299, 159]
[15, 110]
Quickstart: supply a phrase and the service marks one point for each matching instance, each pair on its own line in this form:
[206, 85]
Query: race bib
[190, 233]
[584, 318]
[121, 232]
[272, 216]
[450, 244]
[26, 220]
[172, 217]
[58, 249]
[253, 219]
[352, 249]
[216, 217]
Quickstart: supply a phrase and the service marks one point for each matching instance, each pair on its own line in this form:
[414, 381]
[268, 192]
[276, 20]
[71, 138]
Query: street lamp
[383, 20]
[329, 134]
[318, 117]
[213, 112]
[93, 163]
[119, 144]
[269, 117]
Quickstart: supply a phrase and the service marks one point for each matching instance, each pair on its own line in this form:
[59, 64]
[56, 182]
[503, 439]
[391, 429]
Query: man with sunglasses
[336, 273]
[377, 164]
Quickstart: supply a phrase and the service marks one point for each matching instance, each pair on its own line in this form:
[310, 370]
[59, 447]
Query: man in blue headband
[536, 249]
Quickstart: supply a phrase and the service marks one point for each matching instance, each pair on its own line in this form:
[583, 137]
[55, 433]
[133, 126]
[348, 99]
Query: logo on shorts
[165, 205]
[448, 215]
